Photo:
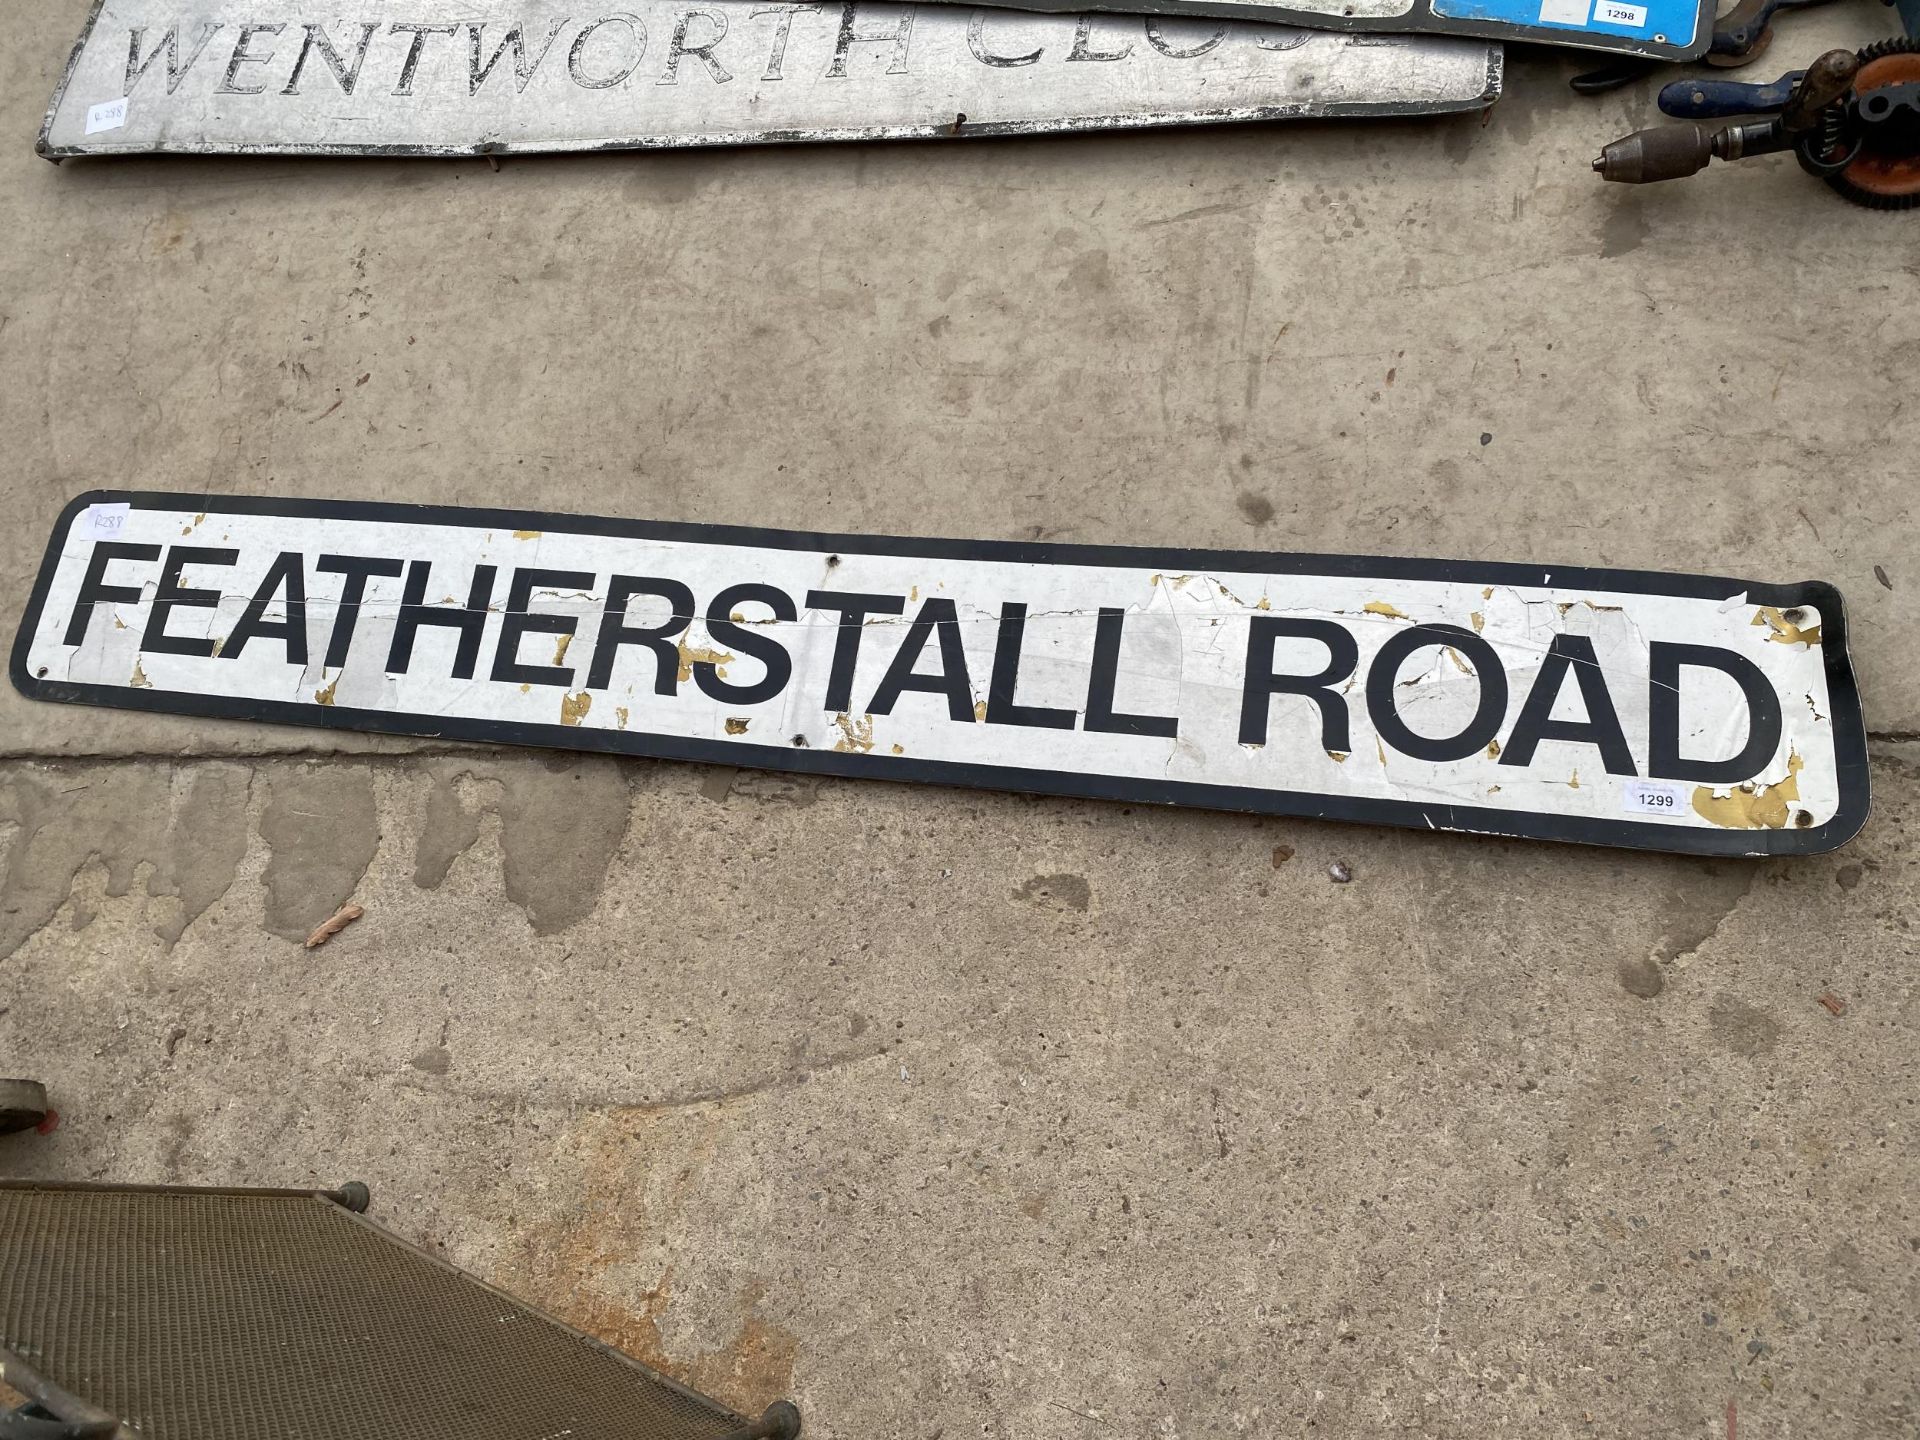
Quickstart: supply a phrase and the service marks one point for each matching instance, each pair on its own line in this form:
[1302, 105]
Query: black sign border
[1849, 724]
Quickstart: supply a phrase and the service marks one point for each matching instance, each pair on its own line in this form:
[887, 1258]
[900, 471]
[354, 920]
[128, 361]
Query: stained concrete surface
[954, 1113]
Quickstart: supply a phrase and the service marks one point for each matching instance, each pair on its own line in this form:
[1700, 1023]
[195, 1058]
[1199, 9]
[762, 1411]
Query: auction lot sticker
[1668, 712]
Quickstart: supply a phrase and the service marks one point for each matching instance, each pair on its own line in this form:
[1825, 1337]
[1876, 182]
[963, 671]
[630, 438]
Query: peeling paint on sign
[499, 77]
[1614, 707]
[1786, 627]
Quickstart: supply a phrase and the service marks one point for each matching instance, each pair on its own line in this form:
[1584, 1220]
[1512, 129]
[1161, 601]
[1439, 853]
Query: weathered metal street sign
[1671, 712]
[461, 77]
[1661, 29]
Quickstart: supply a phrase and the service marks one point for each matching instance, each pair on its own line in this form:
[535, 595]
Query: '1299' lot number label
[1649, 797]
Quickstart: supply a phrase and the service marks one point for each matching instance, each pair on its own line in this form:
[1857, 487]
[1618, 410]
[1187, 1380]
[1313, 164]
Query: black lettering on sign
[1082, 46]
[358, 569]
[901, 36]
[1383, 698]
[242, 57]
[1262, 684]
[636, 31]
[1601, 729]
[170, 42]
[520, 620]
[1665, 662]
[977, 43]
[952, 681]
[523, 66]
[287, 574]
[170, 595]
[316, 39]
[1001, 709]
[1159, 42]
[704, 50]
[1101, 716]
[615, 631]
[776, 57]
[853, 610]
[1281, 37]
[94, 589]
[412, 63]
[755, 642]
[470, 620]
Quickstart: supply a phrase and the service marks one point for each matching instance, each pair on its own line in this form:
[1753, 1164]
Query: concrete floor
[951, 1113]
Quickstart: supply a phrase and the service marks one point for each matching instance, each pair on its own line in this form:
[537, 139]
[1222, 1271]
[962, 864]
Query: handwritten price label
[110, 115]
[104, 522]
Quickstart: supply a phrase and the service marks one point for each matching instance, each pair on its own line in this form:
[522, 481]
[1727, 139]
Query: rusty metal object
[1851, 119]
[780, 1421]
[1665, 152]
[1742, 35]
[23, 1105]
[1826, 80]
[1885, 171]
[1673, 152]
[301, 1318]
[77, 1420]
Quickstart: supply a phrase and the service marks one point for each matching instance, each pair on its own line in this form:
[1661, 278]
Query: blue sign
[1658, 22]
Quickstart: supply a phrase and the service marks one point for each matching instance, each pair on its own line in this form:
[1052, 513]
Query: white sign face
[1661, 711]
[465, 77]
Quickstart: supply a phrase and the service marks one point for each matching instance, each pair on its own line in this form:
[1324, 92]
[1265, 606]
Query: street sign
[1671, 712]
[1658, 29]
[497, 77]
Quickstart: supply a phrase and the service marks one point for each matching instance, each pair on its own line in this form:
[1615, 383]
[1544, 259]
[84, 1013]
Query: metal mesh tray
[193, 1314]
